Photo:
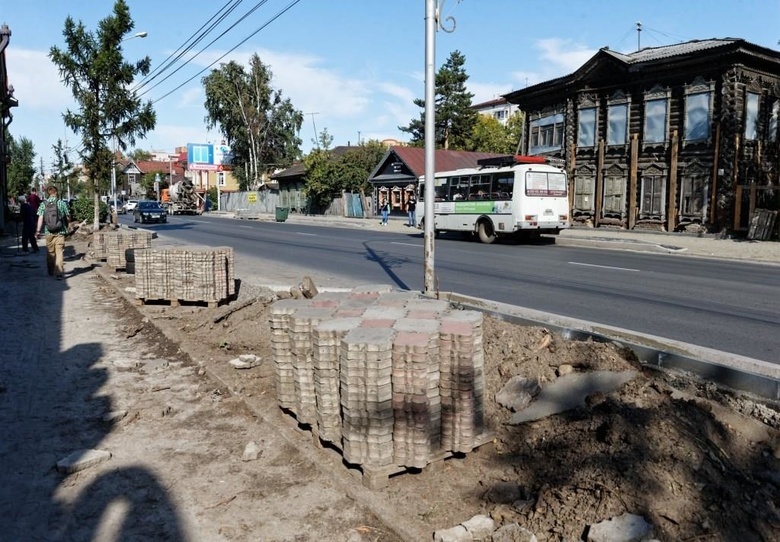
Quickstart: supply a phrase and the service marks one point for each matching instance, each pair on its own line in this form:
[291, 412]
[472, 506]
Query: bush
[84, 209]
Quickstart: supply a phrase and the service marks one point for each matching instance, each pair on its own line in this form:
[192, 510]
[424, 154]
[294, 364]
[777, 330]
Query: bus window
[479, 187]
[459, 187]
[542, 183]
[504, 186]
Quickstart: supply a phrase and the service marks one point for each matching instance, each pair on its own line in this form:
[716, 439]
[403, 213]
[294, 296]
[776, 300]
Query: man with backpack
[53, 216]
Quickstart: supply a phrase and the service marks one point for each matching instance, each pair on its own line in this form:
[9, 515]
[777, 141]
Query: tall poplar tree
[258, 124]
[92, 65]
[455, 118]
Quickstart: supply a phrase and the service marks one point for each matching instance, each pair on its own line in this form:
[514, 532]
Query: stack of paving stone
[416, 400]
[117, 242]
[152, 274]
[394, 379]
[301, 327]
[99, 244]
[202, 274]
[327, 348]
[462, 385]
[281, 347]
[366, 367]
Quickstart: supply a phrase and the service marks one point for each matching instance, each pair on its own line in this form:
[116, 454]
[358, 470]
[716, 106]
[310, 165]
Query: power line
[247, 14]
[193, 40]
[282, 12]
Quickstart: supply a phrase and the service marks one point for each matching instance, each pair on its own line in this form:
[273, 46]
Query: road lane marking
[405, 244]
[309, 234]
[605, 266]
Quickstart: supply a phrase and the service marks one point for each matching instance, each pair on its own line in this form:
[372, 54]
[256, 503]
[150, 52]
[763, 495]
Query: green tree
[61, 168]
[454, 116]
[327, 175]
[92, 65]
[140, 155]
[489, 135]
[21, 169]
[258, 124]
[514, 127]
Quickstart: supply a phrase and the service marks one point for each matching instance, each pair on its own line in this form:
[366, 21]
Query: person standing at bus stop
[411, 205]
[384, 207]
[53, 215]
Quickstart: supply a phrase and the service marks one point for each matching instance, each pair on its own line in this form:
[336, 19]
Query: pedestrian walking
[384, 207]
[411, 205]
[34, 200]
[53, 217]
[28, 225]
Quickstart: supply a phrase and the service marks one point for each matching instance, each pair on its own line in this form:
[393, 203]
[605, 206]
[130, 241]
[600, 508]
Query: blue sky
[353, 66]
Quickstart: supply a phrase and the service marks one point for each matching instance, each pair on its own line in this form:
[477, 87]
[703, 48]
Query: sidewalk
[80, 370]
[707, 246]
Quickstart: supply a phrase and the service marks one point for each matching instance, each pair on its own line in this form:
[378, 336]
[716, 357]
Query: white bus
[506, 196]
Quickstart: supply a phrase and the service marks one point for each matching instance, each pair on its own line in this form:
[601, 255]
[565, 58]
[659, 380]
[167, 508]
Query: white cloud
[558, 56]
[36, 80]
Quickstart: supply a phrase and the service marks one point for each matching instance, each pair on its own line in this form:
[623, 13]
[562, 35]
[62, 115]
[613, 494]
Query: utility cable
[282, 12]
[193, 40]
[247, 14]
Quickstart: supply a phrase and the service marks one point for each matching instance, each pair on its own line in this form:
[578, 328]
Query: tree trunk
[96, 223]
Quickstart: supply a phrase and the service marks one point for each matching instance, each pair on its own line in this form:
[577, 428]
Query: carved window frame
[752, 118]
[587, 102]
[657, 175]
[656, 94]
[694, 186]
[615, 182]
[583, 175]
[697, 88]
[622, 100]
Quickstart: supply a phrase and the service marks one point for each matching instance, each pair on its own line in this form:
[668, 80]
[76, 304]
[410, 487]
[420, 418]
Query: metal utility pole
[432, 21]
[429, 285]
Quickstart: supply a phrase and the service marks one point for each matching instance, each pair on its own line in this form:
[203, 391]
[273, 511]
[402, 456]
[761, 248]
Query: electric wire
[193, 40]
[279, 14]
[247, 14]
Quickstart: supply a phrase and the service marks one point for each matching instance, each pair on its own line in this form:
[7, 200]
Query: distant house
[498, 108]
[398, 172]
[131, 172]
[677, 137]
[291, 183]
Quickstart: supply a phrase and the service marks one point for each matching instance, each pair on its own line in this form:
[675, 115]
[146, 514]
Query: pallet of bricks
[113, 246]
[193, 274]
[394, 381]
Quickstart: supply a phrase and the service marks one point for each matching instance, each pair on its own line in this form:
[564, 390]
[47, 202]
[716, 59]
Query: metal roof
[414, 158]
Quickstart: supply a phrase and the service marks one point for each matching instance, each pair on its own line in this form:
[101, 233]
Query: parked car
[149, 211]
[130, 205]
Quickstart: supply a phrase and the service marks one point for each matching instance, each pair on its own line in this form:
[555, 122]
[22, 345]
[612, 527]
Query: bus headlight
[563, 218]
[530, 218]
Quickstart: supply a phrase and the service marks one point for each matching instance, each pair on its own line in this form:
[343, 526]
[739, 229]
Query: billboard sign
[200, 157]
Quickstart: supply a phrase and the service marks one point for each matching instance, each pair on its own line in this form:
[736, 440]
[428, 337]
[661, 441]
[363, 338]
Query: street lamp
[113, 159]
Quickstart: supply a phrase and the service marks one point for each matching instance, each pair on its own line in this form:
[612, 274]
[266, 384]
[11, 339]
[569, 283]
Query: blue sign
[200, 153]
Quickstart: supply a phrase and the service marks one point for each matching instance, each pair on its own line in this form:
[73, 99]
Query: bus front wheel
[486, 232]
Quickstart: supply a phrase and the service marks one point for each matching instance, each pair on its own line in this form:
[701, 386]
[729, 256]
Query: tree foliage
[92, 65]
[21, 169]
[140, 155]
[489, 135]
[258, 124]
[454, 116]
[61, 168]
[327, 174]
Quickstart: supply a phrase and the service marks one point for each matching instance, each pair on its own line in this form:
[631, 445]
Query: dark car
[149, 211]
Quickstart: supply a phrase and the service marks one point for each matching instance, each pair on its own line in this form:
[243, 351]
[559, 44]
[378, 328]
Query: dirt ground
[699, 463]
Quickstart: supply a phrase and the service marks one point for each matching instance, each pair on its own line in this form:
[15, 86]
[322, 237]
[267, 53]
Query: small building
[670, 138]
[398, 172]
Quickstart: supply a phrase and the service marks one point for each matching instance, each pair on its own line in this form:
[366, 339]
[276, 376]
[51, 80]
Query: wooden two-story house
[677, 137]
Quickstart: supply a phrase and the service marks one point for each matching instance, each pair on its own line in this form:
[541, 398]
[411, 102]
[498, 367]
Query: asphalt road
[724, 305]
